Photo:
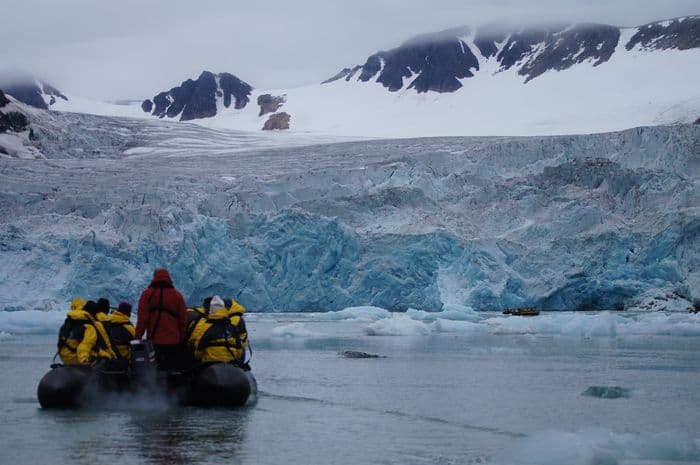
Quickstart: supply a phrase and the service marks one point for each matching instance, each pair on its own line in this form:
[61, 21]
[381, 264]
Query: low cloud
[133, 49]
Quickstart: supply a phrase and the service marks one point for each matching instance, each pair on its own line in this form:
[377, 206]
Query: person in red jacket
[162, 316]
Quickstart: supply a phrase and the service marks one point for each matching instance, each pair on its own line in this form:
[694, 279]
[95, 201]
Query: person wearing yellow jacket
[121, 331]
[235, 313]
[102, 310]
[215, 338]
[82, 340]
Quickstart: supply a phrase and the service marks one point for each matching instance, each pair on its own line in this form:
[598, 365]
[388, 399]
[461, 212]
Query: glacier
[585, 222]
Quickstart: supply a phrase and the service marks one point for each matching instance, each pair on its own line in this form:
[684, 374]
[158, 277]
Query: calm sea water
[440, 398]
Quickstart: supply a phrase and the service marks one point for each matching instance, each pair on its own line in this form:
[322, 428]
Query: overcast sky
[135, 48]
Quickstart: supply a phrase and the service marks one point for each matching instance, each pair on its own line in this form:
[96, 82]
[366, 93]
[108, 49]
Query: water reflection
[190, 435]
[158, 436]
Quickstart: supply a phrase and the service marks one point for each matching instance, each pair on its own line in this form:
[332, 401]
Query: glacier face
[604, 221]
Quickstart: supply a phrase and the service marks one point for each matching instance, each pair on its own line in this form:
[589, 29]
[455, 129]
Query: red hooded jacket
[162, 312]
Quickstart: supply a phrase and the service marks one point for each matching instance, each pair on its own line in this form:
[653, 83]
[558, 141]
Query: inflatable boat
[521, 311]
[208, 385]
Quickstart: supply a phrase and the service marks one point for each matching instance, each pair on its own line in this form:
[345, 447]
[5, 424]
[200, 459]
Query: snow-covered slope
[569, 222]
[573, 79]
[492, 80]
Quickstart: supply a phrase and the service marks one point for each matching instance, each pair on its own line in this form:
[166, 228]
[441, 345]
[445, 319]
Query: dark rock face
[270, 103]
[232, 86]
[346, 73]
[681, 34]
[147, 106]
[488, 37]
[31, 92]
[28, 93]
[201, 100]
[277, 121]
[438, 60]
[3, 100]
[571, 46]
[522, 44]
[197, 99]
[13, 121]
[697, 121]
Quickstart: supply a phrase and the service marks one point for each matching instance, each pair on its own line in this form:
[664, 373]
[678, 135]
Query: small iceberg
[607, 392]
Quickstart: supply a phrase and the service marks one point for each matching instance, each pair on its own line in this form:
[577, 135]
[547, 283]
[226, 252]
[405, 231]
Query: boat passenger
[102, 309]
[235, 313]
[194, 315]
[121, 331]
[162, 317]
[82, 339]
[215, 338]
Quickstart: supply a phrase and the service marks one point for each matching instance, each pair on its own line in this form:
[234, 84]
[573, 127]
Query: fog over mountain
[274, 45]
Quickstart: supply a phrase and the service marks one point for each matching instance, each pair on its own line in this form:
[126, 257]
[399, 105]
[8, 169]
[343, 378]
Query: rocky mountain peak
[194, 99]
[31, 91]
[678, 33]
[441, 61]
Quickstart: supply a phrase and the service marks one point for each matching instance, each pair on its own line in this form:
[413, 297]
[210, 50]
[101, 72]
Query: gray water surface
[435, 399]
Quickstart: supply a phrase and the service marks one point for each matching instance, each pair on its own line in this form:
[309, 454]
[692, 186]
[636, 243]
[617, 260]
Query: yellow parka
[194, 315]
[121, 331]
[83, 340]
[216, 339]
[235, 312]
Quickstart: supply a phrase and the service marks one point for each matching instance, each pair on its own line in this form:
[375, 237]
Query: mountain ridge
[537, 49]
[496, 79]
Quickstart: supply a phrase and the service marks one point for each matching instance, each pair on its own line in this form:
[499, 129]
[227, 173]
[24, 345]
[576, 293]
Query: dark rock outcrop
[437, 60]
[607, 392]
[270, 103]
[697, 121]
[521, 45]
[357, 354]
[488, 37]
[277, 121]
[33, 92]
[232, 86]
[346, 73]
[13, 121]
[195, 99]
[681, 34]
[147, 106]
[571, 46]
[201, 101]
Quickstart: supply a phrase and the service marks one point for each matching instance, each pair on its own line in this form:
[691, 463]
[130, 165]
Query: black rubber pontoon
[63, 386]
[222, 384]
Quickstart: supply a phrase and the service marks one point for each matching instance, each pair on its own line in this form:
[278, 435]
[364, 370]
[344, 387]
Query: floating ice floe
[31, 322]
[398, 325]
[356, 313]
[292, 330]
[601, 447]
[449, 312]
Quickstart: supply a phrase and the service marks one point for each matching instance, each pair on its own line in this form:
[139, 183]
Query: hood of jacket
[77, 304]
[220, 314]
[161, 278]
[119, 317]
[235, 308]
[79, 314]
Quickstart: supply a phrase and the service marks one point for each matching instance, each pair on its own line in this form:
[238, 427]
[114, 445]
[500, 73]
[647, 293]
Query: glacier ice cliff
[603, 221]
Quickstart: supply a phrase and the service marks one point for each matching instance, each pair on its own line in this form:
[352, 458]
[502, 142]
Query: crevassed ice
[596, 222]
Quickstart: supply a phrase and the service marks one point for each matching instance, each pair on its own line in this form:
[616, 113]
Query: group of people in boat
[181, 336]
